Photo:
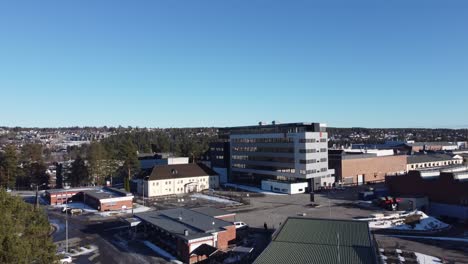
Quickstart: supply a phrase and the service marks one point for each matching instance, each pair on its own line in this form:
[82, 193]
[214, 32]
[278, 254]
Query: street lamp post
[66, 221]
[36, 204]
[145, 178]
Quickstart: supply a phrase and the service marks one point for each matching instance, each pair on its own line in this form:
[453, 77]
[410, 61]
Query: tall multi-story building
[287, 158]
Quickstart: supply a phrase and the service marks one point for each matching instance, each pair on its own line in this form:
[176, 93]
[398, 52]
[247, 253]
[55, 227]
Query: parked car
[240, 225]
[72, 211]
[65, 259]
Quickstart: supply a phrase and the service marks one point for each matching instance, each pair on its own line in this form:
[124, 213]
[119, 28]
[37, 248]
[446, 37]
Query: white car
[240, 225]
[65, 259]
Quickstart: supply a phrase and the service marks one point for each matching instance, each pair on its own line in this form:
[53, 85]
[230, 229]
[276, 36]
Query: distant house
[178, 179]
[317, 241]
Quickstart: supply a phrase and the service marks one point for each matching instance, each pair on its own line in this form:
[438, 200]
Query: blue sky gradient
[370, 63]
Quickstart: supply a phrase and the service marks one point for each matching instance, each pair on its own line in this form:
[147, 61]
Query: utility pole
[66, 222]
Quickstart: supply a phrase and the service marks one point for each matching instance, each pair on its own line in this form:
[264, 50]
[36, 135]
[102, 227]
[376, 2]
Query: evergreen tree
[97, 159]
[24, 233]
[128, 153]
[79, 173]
[9, 166]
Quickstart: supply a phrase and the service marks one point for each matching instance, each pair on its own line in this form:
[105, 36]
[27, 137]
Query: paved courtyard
[274, 209]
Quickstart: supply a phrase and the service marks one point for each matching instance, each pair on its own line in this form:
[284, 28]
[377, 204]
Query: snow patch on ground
[426, 259]
[159, 250]
[136, 209]
[454, 239]
[396, 222]
[214, 199]
[79, 205]
[251, 189]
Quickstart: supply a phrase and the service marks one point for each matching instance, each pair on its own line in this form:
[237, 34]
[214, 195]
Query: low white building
[179, 179]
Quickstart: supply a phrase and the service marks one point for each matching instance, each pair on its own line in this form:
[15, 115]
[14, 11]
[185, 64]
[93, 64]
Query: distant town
[264, 193]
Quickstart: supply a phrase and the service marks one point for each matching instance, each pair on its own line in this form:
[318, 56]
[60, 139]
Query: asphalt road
[82, 232]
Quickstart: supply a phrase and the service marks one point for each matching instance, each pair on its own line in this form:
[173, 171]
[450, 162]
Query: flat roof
[106, 193]
[212, 211]
[177, 220]
[421, 158]
[307, 240]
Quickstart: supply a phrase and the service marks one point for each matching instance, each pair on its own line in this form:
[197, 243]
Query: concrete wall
[284, 187]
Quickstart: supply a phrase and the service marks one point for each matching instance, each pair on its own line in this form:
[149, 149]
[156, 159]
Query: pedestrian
[265, 226]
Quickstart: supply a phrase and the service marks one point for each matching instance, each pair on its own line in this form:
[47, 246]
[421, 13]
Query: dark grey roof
[211, 211]
[177, 220]
[106, 193]
[421, 158]
[305, 240]
[440, 143]
[180, 171]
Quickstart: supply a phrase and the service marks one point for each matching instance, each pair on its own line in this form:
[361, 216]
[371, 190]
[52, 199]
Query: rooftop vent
[173, 171]
[186, 233]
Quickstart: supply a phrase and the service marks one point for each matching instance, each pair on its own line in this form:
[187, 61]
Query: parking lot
[274, 209]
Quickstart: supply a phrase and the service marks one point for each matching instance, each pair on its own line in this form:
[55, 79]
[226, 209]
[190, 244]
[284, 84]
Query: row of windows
[312, 140]
[312, 150]
[156, 183]
[263, 149]
[265, 168]
[262, 140]
[260, 158]
[425, 165]
[216, 149]
[312, 171]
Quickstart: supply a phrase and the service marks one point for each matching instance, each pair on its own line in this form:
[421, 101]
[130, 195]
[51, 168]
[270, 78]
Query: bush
[412, 220]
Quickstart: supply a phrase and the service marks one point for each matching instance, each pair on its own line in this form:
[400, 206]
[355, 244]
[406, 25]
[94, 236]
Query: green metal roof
[305, 240]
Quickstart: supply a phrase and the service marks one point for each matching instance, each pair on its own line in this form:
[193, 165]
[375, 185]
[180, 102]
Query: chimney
[186, 232]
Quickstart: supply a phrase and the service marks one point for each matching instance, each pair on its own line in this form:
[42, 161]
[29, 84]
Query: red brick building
[102, 199]
[181, 232]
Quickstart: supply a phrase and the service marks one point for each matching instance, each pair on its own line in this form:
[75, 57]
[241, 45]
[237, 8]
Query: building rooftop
[180, 171]
[422, 158]
[178, 220]
[440, 143]
[106, 193]
[275, 128]
[213, 212]
[306, 240]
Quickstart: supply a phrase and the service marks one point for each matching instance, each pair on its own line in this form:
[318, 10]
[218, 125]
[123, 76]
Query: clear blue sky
[375, 63]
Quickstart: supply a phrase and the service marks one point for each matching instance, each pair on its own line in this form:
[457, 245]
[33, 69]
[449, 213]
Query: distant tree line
[93, 164]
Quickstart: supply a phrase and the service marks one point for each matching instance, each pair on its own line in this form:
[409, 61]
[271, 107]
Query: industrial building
[183, 232]
[306, 240]
[353, 168]
[420, 161]
[101, 199]
[288, 158]
[445, 188]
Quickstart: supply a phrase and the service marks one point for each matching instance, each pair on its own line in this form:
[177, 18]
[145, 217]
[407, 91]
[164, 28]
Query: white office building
[288, 158]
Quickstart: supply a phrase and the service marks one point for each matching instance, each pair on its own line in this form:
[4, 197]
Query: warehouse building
[307, 240]
[421, 161]
[360, 168]
[184, 233]
[101, 199]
